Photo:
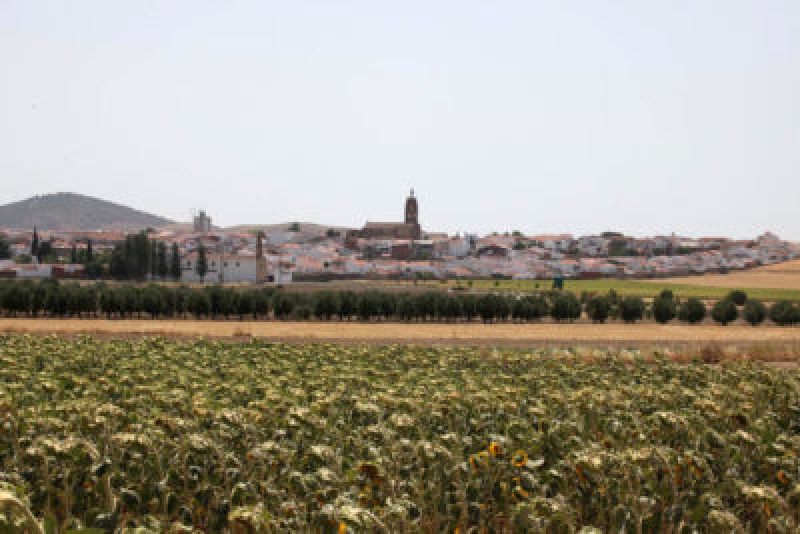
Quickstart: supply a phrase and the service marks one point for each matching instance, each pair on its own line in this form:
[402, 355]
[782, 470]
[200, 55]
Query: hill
[71, 211]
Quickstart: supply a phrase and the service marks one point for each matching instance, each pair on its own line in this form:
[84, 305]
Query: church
[410, 229]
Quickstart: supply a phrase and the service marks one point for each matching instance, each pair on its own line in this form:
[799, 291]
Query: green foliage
[5, 249]
[631, 309]
[754, 312]
[294, 227]
[784, 313]
[724, 312]
[175, 269]
[598, 308]
[565, 307]
[692, 311]
[737, 296]
[664, 308]
[201, 264]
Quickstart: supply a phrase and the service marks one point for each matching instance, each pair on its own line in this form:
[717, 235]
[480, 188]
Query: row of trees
[49, 298]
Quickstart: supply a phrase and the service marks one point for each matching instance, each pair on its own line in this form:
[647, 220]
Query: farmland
[470, 334]
[702, 287]
[785, 275]
[256, 437]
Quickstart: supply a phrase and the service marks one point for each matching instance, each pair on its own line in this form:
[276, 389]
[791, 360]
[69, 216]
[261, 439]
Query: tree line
[50, 298]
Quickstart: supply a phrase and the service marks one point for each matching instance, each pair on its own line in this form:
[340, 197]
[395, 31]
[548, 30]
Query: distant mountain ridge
[72, 211]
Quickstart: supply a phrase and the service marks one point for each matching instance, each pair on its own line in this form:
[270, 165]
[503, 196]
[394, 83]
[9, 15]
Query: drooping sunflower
[520, 458]
[495, 449]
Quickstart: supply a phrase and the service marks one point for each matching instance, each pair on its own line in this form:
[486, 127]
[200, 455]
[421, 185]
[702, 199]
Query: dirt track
[456, 334]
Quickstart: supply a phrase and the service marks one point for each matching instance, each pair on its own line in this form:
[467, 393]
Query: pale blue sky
[577, 116]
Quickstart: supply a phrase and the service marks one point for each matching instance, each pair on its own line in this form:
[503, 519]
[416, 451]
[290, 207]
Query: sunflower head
[520, 459]
[495, 449]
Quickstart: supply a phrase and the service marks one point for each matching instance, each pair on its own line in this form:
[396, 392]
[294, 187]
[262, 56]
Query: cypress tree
[175, 262]
[89, 252]
[73, 254]
[201, 268]
[161, 260]
[35, 244]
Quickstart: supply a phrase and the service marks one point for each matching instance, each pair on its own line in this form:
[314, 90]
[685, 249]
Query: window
[237, 264]
[188, 264]
[213, 264]
[225, 264]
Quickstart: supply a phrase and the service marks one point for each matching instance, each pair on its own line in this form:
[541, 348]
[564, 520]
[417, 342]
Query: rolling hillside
[71, 211]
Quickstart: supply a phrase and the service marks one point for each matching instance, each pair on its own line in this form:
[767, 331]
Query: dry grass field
[780, 276]
[426, 333]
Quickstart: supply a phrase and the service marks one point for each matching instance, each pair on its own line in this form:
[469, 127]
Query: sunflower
[520, 458]
[520, 494]
[495, 449]
[479, 460]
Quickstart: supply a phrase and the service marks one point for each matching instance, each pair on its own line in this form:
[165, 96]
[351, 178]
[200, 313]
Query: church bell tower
[412, 210]
[412, 214]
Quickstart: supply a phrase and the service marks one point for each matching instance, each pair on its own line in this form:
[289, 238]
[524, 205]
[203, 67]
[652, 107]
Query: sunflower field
[158, 435]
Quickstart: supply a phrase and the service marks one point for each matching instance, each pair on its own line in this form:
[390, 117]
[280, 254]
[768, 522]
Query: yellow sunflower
[495, 449]
[519, 459]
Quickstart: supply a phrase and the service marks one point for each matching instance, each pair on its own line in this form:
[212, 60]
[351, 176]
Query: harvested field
[779, 276]
[425, 333]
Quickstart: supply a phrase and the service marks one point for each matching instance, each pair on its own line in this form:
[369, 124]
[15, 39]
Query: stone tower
[412, 214]
[412, 209]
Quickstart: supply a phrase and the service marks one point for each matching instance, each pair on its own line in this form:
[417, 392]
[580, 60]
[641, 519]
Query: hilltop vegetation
[71, 211]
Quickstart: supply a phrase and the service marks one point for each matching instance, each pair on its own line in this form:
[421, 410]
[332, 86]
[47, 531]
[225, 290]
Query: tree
[175, 263]
[784, 313]
[201, 267]
[5, 249]
[737, 296]
[692, 311]
[631, 309]
[332, 233]
[44, 251]
[326, 305]
[73, 254]
[664, 309]
[598, 308]
[724, 312]
[161, 260]
[294, 227]
[35, 244]
[565, 307]
[754, 312]
[89, 251]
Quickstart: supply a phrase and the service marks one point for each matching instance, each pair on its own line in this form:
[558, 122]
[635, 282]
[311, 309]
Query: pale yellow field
[484, 334]
[780, 276]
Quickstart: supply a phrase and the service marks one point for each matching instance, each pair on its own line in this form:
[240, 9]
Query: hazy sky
[545, 116]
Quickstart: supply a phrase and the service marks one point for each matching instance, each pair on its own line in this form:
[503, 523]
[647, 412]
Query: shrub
[737, 296]
[565, 307]
[724, 312]
[666, 294]
[301, 313]
[692, 311]
[784, 313]
[755, 312]
[598, 309]
[631, 309]
[664, 308]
